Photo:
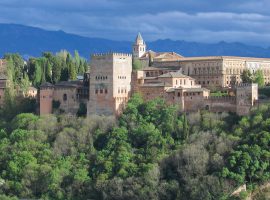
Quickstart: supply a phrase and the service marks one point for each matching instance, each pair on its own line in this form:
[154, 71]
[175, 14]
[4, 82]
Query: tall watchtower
[246, 96]
[139, 47]
[110, 83]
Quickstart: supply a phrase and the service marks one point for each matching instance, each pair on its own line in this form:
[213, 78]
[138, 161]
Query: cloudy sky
[207, 21]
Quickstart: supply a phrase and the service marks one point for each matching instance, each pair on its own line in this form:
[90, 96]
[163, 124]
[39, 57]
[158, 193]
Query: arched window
[64, 97]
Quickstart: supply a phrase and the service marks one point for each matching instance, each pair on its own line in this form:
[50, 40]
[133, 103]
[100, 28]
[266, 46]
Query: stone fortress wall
[246, 96]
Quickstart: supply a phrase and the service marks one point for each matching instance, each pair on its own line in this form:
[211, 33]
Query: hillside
[30, 41]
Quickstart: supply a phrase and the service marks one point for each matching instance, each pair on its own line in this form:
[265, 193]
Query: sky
[209, 21]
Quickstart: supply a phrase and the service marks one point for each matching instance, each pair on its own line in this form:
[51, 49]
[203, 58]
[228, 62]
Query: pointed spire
[139, 39]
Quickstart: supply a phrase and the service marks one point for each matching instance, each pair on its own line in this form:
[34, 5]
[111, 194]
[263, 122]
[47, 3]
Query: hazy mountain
[30, 41]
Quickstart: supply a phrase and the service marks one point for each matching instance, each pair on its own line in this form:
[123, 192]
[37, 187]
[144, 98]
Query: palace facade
[183, 81]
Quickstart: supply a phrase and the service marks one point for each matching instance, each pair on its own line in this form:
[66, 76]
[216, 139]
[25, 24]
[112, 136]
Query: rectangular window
[101, 91]
[106, 91]
[96, 91]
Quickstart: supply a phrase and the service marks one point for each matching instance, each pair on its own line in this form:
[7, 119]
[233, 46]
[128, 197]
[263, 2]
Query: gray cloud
[194, 20]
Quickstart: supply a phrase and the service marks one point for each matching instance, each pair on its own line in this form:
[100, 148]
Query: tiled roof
[69, 84]
[46, 84]
[162, 55]
[203, 58]
[193, 89]
[177, 74]
[151, 68]
[171, 90]
[156, 84]
[187, 89]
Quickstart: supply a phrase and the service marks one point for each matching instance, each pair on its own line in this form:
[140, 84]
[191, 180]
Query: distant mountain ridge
[31, 41]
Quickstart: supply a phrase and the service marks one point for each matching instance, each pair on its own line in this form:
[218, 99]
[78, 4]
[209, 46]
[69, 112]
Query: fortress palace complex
[184, 81]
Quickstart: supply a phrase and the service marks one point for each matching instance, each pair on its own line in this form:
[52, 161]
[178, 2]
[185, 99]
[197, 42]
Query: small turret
[139, 47]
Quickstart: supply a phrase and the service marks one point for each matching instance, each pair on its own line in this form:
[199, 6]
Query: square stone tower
[110, 83]
[246, 97]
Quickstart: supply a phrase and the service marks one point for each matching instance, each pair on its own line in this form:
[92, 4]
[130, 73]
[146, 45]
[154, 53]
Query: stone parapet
[220, 98]
[110, 54]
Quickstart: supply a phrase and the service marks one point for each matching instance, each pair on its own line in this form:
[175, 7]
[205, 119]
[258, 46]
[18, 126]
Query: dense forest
[152, 151]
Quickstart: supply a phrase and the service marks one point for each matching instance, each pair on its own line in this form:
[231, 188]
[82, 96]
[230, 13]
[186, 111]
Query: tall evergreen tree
[258, 78]
[56, 69]
[86, 67]
[38, 73]
[72, 72]
[77, 59]
[48, 72]
[246, 76]
[185, 127]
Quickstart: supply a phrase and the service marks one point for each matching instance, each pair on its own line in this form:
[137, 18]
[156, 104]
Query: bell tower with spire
[139, 47]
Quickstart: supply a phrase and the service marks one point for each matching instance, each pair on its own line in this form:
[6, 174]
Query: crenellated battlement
[243, 85]
[220, 98]
[111, 54]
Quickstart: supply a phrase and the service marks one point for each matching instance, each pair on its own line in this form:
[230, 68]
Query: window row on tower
[101, 77]
[122, 77]
[101, 91]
